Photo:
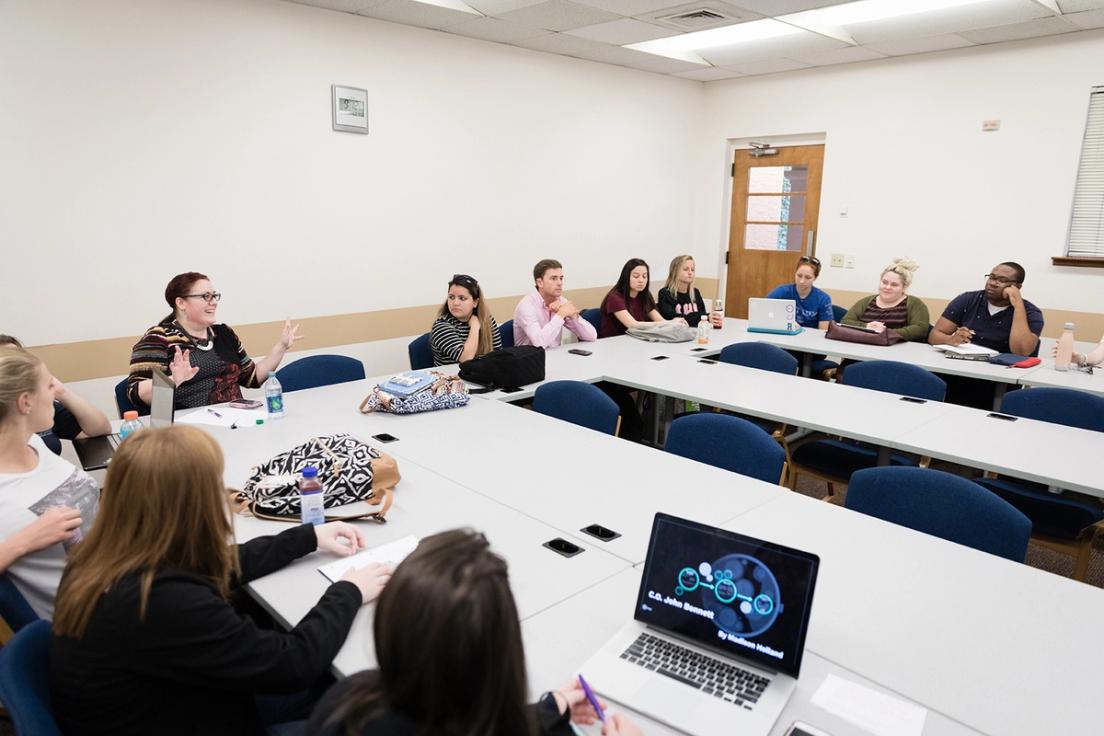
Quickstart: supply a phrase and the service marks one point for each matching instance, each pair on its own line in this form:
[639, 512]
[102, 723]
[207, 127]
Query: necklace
[210, 338]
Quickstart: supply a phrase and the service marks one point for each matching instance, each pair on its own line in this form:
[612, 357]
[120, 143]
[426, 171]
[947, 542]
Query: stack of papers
[966, 349]
[390, 554]
[222, 416]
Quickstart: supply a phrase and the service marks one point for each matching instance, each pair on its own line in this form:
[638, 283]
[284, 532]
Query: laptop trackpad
[669, 699]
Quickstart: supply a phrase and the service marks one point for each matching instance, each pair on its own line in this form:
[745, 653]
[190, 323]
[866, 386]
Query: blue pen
[593, 700]
[215, 413]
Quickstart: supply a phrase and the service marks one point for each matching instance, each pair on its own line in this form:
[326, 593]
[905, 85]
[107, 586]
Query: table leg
[998, 395]
[806, 365]
[883, 456]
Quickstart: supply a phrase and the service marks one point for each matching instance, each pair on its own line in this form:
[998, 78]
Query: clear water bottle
[130, 425]
[704, 329]
[717, 313]
[1064, 354]
[311, 508]
[274, 397]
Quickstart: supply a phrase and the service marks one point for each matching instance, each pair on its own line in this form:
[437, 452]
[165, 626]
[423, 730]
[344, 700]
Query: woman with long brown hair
[146, 639]
[464, 327]
[451, 661]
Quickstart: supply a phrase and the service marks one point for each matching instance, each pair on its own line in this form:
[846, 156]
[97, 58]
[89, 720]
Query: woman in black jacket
[145, 638]
[451, 663]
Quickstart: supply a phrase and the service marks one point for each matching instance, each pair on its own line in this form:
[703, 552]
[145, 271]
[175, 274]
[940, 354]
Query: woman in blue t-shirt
[814, 307]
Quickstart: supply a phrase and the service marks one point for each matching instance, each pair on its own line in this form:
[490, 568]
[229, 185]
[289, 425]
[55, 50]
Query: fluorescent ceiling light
[684, 45]
[865, 11]
[452, 5]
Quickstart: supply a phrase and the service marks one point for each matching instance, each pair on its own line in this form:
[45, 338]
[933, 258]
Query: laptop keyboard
[710, 675]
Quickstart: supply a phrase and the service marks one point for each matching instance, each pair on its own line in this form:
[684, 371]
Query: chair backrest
[727, 442]
[319, 370]
[1058, 406]
[838, 313]
[25, 681]
[895, 377]
[14, 608]
[579, 403]
[122, 401]
[760, 355]
[593, 316]
[421, 354]
[943, 505]
[506, 333]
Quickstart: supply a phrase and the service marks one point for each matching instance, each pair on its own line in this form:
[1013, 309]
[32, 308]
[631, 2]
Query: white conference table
[1046, 376]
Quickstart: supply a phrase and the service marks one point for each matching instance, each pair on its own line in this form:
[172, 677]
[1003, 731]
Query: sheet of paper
[222, 416]
[965, 349]
[391, 554]
[870, 710]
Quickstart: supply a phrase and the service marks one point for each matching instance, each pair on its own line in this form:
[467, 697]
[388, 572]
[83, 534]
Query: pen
[214, 412]
[593, 700]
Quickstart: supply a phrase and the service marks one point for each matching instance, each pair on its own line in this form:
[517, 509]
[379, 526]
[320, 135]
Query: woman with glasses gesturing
[814, 307]
[464, 327]
[205, 360]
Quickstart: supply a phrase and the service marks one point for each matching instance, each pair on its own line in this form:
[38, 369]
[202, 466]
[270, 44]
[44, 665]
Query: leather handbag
[349, 470]
[505, 368]
[848, 333]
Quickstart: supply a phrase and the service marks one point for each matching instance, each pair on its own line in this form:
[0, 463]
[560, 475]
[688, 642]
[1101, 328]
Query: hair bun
[905, 263]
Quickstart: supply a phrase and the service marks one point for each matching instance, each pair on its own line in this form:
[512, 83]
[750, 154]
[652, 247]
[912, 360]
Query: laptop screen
[741, 596]
[162, 400]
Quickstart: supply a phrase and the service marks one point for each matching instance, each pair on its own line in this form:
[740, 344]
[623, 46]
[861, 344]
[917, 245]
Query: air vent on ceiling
[699, 16]
[695, 19]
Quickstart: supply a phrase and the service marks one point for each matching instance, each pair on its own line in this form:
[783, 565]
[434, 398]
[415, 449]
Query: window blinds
[1086, 235]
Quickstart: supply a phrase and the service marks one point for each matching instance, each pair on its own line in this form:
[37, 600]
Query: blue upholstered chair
[25, 681]
[122, 401]
[506, 333]
[579, 403]
[421, 354]
[14, 608]
[593, 316]
[943, 505]
[764, 357]
[319, 370]
[834, 460]
[1059, 522]
[822, 365]
[727, 442]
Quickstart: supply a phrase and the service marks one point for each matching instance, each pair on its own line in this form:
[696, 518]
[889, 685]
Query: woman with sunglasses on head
[814, 306]
[205, 360]
[450, 657]
[464, 327]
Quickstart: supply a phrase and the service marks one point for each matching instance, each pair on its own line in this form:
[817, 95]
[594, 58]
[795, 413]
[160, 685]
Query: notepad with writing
[966, 349]
[390, 554]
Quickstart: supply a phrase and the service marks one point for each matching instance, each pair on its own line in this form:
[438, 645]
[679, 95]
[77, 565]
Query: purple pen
[593, 700]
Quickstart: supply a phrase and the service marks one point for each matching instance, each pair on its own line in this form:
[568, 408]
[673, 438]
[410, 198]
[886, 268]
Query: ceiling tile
[494, 29]
[1043, 27]
[712, 74]
[413, 13]
[642, 61]
[1077, 6]
[621, 31]
[768, 66]
[558, 15]
[1087, 19]
[846, 55]
[803, 42]
[561, 43]
[920, 45]
[498, 7]
[950, 20]
[782, 7]
[629, 7]
[345, 6]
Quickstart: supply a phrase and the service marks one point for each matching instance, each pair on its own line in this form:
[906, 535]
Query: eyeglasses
[207, 296]
[999, 279]
[810, 259]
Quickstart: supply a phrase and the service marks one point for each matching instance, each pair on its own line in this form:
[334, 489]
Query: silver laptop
[718, 631]
[96, 452]
[777, 316]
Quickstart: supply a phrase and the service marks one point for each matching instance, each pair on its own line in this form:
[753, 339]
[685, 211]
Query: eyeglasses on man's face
[207, 296]
[1002, 280]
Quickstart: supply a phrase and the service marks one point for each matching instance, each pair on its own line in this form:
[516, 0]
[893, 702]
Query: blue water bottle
[274, 397]
[130, 425]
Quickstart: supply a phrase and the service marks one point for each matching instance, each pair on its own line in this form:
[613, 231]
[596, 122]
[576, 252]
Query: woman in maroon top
[630, 302]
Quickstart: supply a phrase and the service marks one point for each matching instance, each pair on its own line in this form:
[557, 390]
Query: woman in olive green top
[891, 308]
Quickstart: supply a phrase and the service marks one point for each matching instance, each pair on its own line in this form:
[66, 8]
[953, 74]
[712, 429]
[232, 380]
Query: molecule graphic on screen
[741, 591]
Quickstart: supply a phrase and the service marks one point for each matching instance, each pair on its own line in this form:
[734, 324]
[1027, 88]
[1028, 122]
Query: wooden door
[775, 202]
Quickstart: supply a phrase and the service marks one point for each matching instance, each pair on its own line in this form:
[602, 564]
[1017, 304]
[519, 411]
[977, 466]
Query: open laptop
[777, 316]
[718, 631]
[96, 452]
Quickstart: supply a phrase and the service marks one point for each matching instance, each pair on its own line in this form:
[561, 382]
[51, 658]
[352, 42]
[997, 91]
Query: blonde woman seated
[892, 308]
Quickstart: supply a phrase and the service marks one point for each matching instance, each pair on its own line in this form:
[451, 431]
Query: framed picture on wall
[350, 109]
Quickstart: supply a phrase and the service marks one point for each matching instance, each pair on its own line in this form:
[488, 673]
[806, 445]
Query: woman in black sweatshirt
[145, 638]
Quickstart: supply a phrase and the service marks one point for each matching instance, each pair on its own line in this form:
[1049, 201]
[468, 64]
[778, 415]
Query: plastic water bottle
[274, 397]
[703, 330]
[130, 425]
[311, 508]
[1065, 349]
[718, 309]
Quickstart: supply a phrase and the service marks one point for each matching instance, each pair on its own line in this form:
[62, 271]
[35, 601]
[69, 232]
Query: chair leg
[1081, 560]
[617, 429]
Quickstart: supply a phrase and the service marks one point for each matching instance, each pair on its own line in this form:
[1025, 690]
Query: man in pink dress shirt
[540, 317]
